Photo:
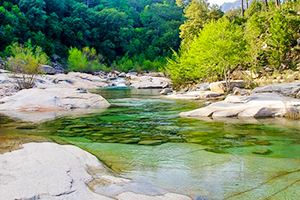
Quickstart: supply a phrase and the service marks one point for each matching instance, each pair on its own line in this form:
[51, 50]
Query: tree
[26, 60]
[198, 13]
[214, 53]
[242, 8]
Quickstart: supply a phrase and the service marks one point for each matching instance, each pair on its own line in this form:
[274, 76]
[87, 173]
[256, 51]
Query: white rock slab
[47, 171]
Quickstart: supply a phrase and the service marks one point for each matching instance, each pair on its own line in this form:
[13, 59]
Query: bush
[139, 65]
[85, 60]
[214, 53]
[26, 60]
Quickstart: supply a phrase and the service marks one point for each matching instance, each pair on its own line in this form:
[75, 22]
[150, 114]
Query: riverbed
[142, 137]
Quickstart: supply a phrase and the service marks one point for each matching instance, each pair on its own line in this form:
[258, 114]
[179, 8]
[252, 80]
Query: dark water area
[142, 137]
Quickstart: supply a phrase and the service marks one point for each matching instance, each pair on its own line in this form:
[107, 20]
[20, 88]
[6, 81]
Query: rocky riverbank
[277, 100]
[52, 171]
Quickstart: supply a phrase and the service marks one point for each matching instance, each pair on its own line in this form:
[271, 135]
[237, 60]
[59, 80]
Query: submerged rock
[261, 151]
[150, 142]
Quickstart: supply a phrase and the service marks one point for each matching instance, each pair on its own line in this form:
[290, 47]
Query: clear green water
[141, 137]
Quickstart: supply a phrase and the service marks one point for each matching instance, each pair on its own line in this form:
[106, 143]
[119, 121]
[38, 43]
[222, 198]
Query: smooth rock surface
[61, 172]
[220, 87]
[147, 82]
[47, 171]
[35, 101]
[48, 69]
[196, 95]
[166, 91]
[286, 89]
[255, 105]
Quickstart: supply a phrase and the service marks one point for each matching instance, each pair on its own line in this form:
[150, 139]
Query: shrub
[85, 60]
[26, 60]
[214, 53]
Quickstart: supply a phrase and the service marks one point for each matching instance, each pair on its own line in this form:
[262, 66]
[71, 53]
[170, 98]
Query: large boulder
[196, 95]
[254, 106]
[220, 87]
[287, 89]
[202, 86]
[51, 100]
[71, 80]
[47, 69]
[47, 171]
[147, 82]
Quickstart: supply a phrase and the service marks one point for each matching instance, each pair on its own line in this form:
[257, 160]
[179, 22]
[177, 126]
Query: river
[141, 137]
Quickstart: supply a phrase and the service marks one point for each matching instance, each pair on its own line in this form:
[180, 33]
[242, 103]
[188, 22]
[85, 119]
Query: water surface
[141, 137]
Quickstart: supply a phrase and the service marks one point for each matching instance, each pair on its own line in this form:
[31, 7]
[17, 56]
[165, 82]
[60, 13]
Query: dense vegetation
[207, 44]
[125, 33]
[266, 37]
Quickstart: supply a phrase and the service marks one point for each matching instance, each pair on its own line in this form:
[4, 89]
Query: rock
[239, 91]
[72, 80]
[63, 172]
[168, 196]
[50, 100]
[150, 142]
[287, 89]
[122, 75]
[48, 171]
[47, 69]
[202, 86]
[261, 151]
[220, 87]
[255, 106]
[147, 82]
[196, 95]
[166, 91]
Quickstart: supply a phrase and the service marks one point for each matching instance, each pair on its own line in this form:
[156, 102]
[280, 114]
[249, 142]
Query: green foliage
[198, 13]
[266, 36]
[272, 35]
[115, 28]
[139, 64]
[26, 60]
[85, 60]
[217, 49]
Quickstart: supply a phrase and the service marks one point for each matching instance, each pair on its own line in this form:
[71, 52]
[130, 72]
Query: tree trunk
[242, 8]
[277, 3]
[266, 3]
[247, 4]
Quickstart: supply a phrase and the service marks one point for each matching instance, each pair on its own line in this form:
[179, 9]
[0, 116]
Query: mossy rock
[26, 127]
[108, 137]
[77, 126]
[231, 136]
[97, 134]
[216, 150]
[176, 139]
[195, 140]
[130, 141]
[262, 142]
[261, 151]
[112, 141]
[150, 142]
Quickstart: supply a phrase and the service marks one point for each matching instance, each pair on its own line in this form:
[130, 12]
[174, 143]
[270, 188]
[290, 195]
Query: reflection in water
[141, 136]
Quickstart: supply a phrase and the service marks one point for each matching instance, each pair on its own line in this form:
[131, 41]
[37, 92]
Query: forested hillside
[265, 38]
[126, 32]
